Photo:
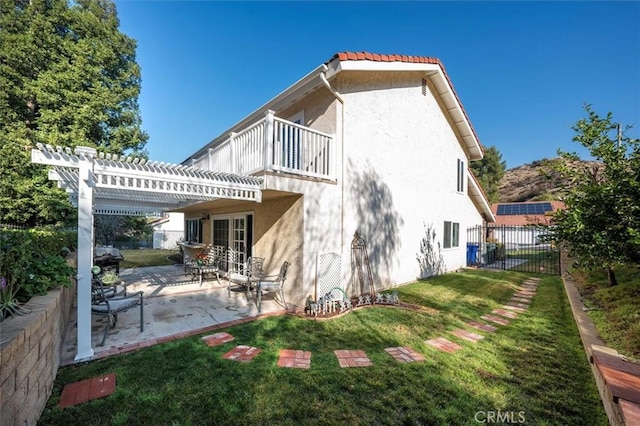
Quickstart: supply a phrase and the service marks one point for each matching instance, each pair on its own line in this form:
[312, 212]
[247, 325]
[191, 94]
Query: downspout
[337, 95]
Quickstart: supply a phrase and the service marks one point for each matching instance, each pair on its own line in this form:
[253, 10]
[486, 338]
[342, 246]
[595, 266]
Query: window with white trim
[451, 235]
[460, 181]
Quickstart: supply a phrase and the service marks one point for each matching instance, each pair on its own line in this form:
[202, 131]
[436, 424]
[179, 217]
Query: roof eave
[479, 198]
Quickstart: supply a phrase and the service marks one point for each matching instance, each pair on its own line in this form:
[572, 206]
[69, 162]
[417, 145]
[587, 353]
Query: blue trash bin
[472, 254]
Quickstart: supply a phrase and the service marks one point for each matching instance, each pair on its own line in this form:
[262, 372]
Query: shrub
[32, 262]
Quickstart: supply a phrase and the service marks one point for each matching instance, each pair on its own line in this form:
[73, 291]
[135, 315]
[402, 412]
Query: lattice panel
[329, 273]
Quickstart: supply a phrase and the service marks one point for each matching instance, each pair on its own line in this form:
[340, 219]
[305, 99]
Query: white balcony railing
[272, 144]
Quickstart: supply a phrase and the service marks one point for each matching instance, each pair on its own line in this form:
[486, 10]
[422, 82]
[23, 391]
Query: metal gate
[513, 248]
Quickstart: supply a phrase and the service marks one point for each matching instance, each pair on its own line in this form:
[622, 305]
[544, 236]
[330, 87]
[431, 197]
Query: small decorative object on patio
[333, 302]
[109, 278]
[201, 258]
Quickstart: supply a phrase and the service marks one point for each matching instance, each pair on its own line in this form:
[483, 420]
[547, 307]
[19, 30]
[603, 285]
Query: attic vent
[424, 87]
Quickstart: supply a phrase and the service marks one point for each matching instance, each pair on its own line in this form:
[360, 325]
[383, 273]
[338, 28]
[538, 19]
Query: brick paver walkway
[242, 353]
[495, 319]
[87, 390]
[444, 345]
[292, 358]
[351, 358]
[505, 313]
[482, 326]
[217, 339]
[467, 335]
[405, 354]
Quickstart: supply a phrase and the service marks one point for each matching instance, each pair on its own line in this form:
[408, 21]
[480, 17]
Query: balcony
[272, 145]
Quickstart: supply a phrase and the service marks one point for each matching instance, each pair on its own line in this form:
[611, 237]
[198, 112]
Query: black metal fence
[513, 248]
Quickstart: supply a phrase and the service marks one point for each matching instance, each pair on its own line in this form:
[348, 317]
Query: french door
[235, 234]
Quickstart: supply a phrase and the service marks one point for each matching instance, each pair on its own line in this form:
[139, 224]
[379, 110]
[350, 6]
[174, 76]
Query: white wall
[401, 167]
[167, 234]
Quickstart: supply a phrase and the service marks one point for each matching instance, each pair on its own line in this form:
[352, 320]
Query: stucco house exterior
[378, 144]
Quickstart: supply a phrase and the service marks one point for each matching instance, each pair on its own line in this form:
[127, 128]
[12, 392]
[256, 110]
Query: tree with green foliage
[68, 77]
[489, 172]
[601, 223]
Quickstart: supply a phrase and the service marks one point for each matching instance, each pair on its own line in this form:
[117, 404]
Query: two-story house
[378, 144]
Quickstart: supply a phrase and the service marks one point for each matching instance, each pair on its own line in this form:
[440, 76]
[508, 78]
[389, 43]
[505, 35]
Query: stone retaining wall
[30, 356]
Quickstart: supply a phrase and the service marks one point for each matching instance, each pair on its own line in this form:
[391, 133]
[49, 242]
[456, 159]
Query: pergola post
[85, 251]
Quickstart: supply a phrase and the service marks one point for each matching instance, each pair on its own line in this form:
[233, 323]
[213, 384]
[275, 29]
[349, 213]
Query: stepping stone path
[242, 353]
[292, 358]
[482, 326]
[467, 335]
[350, 358]
[87, 390]
[495, 319]
[444, 345]
[404, 354]
[519, 307]
[505, 313]
[217, 339]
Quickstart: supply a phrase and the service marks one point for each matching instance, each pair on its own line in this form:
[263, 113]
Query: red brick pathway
[217, 339]
[292, 358]
[505, 313]
[242, 353]
[87, 390]
[405, 354]
[467, 335]
[482, 326]
[495, 319]
[514, 308]
[444, 344]
[349, 358]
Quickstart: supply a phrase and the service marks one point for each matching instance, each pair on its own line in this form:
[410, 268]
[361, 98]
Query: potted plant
[109, 278]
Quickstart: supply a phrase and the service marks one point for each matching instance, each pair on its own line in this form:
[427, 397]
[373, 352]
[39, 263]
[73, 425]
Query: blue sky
[523, 70]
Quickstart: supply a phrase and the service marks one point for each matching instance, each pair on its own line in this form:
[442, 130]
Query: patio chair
[101, 304]
[273, 284]
[248, 276]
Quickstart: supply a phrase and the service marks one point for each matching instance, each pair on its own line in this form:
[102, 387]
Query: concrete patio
[175, 306]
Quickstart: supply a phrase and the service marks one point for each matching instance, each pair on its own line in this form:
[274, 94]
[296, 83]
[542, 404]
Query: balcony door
[235, 234]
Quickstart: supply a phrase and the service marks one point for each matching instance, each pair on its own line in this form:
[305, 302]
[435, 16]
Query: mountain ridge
[527, 183]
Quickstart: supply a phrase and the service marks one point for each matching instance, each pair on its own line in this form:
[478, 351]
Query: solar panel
[523, 209]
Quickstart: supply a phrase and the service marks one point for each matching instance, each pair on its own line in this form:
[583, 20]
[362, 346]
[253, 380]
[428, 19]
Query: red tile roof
[376, 57]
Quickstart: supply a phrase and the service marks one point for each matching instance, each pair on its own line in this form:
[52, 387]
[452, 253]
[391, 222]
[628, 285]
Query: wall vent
[424, 87]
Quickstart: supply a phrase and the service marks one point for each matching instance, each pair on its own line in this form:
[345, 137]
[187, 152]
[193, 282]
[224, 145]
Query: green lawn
[147, 257]
[536, 258]
[534, 367]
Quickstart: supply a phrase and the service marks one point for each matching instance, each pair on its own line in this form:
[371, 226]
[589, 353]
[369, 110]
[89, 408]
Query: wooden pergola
[99, 183]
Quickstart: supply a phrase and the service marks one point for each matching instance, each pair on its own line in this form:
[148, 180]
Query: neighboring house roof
[529, 213]
[159, 221]
[365, 61]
